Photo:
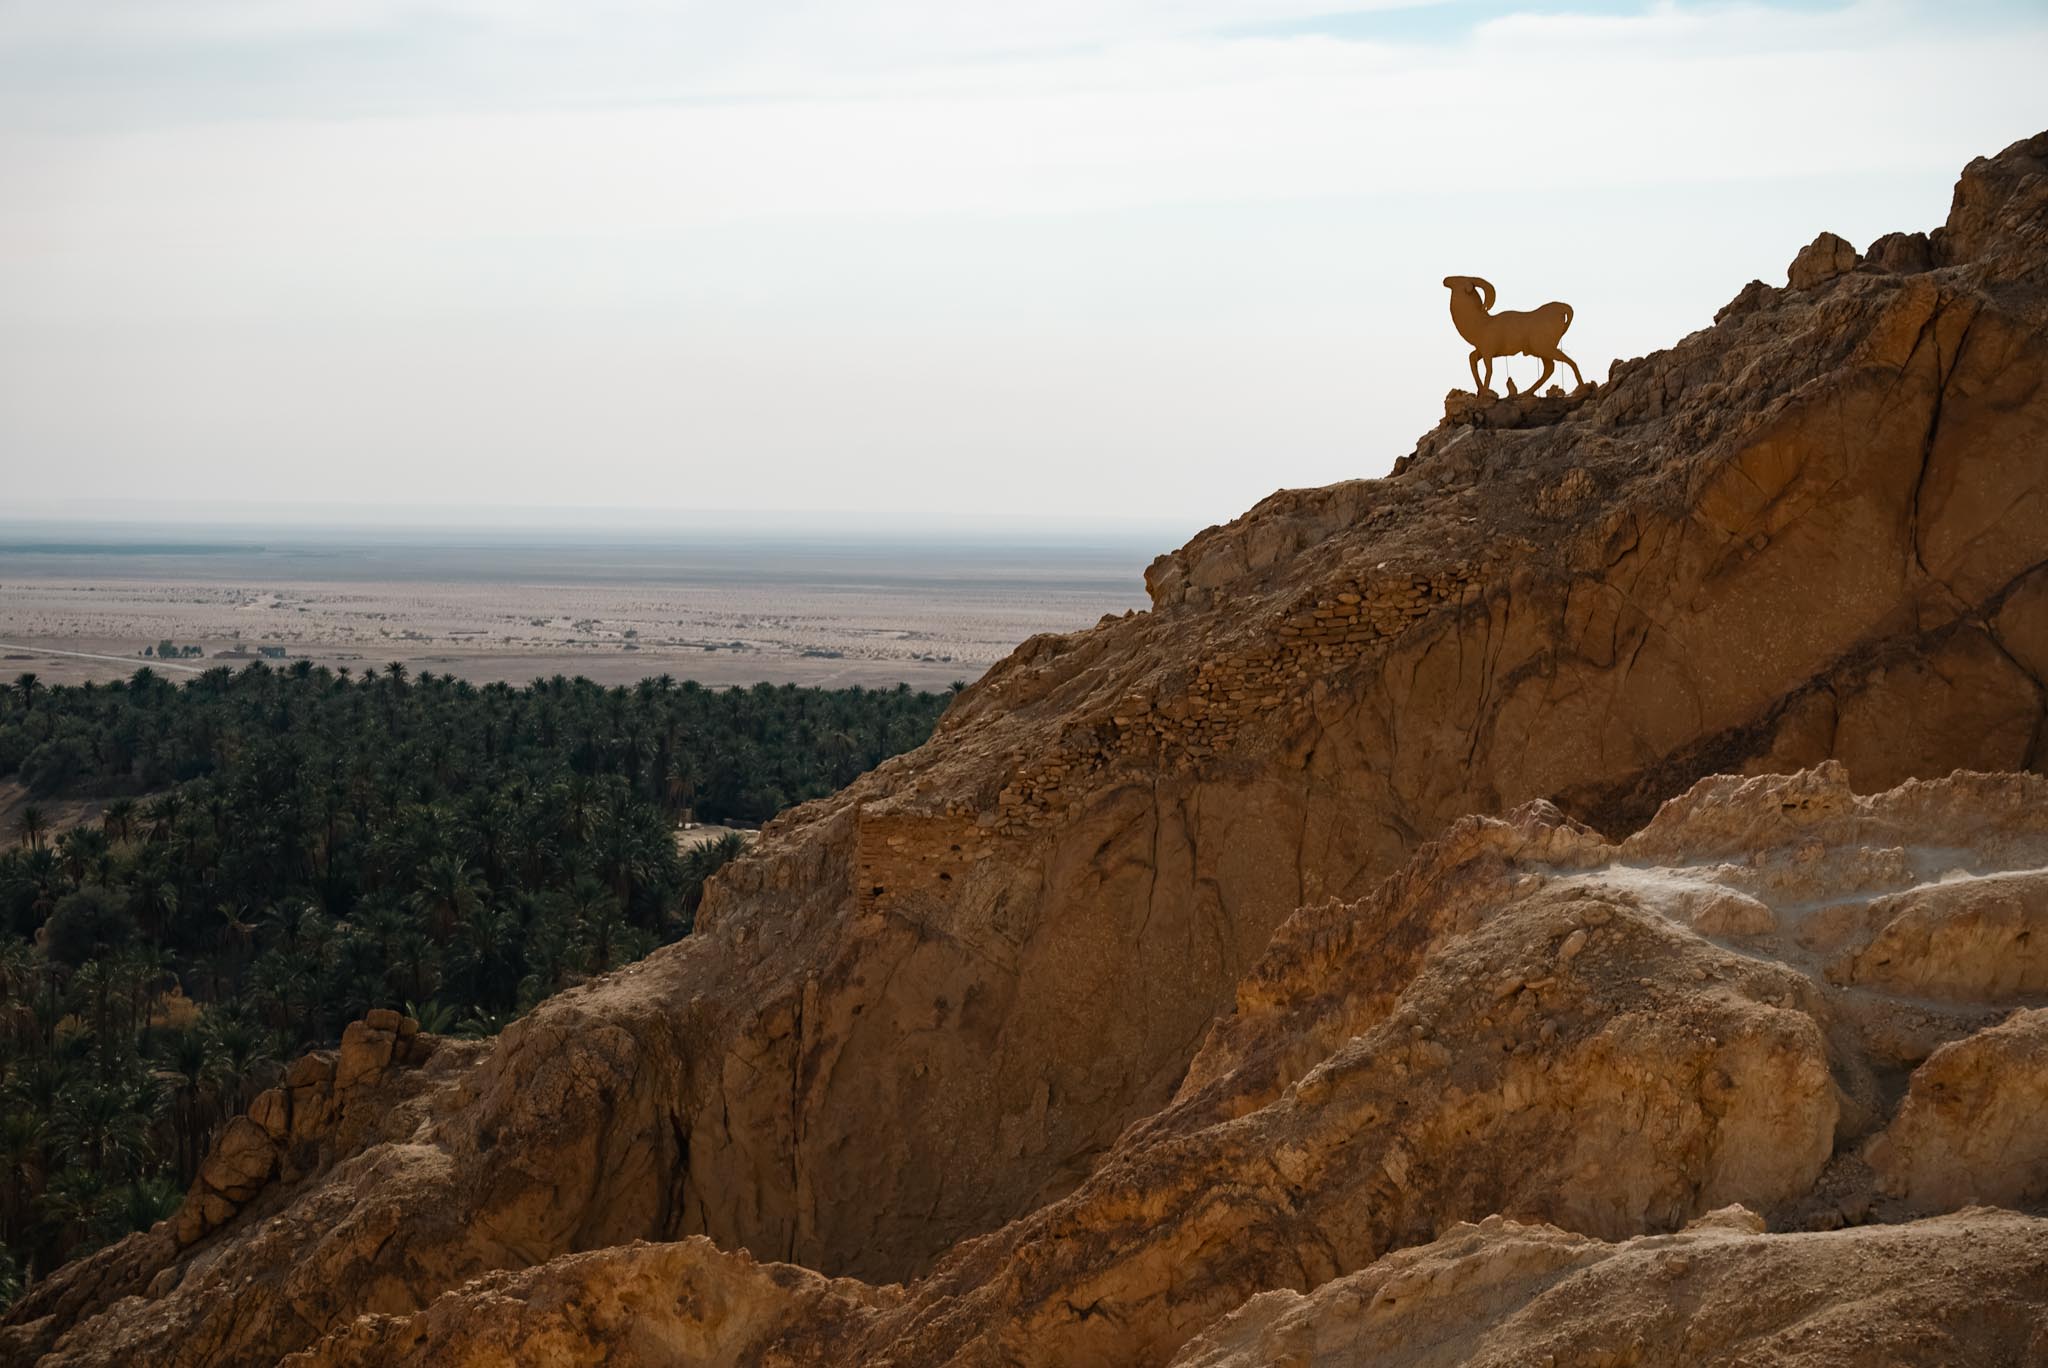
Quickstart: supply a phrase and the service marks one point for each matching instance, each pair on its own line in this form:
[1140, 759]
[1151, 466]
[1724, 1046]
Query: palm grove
[287, 849]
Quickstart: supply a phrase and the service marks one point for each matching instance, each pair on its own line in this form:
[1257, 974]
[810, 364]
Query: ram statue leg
[1474, 361]
[1548, 367]
[1578, 380]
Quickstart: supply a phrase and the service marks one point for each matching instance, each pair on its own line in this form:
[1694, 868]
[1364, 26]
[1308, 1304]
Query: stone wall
[900, 856]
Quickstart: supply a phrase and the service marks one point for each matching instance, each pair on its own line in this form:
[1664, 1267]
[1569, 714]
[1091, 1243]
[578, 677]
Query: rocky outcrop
[325, 1103]
[1820, 261]
[1503, 1295]
[635, 1304]
[1971, 1128]
[330, 1106]
[970, 995]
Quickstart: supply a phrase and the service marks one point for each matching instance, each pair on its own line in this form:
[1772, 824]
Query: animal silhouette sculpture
[1508, 333]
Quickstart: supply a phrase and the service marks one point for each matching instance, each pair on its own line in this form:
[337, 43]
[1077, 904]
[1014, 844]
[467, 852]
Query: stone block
[272, 1111]
[365, 1053]
[241, 1161]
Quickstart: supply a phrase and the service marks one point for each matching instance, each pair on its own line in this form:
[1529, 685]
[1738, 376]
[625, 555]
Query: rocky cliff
[943, 1076]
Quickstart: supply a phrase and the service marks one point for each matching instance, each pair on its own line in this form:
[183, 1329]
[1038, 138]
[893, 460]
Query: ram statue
[1508, 333]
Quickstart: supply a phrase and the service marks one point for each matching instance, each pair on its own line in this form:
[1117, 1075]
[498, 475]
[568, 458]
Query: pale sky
[1143, 258]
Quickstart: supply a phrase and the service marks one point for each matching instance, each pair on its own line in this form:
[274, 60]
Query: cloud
[1755, 93]
[833, 32]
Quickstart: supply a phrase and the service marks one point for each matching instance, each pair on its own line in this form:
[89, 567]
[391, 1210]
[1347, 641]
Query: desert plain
[873, 610]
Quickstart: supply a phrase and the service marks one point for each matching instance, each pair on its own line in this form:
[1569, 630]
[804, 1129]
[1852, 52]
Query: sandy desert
[726, 613]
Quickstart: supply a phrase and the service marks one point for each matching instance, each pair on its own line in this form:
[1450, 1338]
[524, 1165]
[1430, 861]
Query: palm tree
[435, 1018]
[118, 820]
[144, 971]
[20, 977]
[11, 1275]
[487, 954]
[235, 930]
[193, 1061]
[92, 989]
[140, 1205]
[33, 824]
[284, 978]
[23, 1163]
[417, 961]
[625, 856]
[156, 903]
[70, 1202]
[356, 976]
[580, 811]
[102, 1127]
[238, 1047]
[27, 685]
[547, 949]
[45, 879]
[378, 923]
[448, 889]
[600, 921]
[81, 849]
[162, 815]
[281, 923]
[679, 787]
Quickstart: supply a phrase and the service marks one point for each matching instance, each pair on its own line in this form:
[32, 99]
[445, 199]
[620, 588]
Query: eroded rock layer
[1951, 1290]
[924, 1010]
[1527, 1025]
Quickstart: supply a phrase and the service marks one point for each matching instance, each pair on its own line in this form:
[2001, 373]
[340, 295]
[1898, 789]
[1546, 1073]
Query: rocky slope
[972, 995]
[1779, 1003]
[1503, 1296]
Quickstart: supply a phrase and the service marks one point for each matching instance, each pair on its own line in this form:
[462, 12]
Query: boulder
[272, 1111]
[1820, 261]
[1901, 253]
[1971, 1129]
[365, 1054]
[241, 1161]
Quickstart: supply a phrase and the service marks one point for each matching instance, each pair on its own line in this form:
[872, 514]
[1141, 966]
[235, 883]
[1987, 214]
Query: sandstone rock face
[1974, 1126]
[1527, 1024]
[1901, 252]
[632, 1306]
[1502, 1295]
[973, 994]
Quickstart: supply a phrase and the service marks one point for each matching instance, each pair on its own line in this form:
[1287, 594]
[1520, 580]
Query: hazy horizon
[828, 606]
[209, 517]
